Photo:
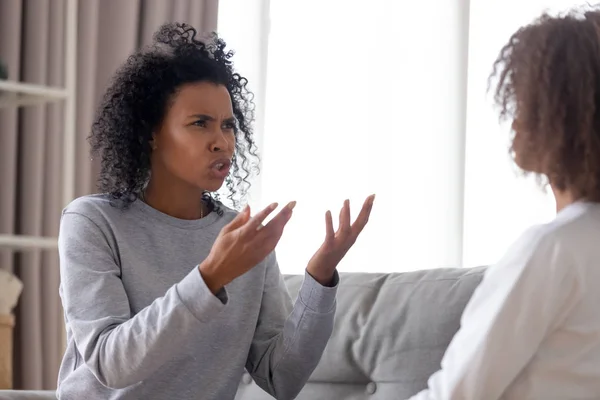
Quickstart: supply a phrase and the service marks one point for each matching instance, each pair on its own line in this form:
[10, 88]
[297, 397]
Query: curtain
[32, 34]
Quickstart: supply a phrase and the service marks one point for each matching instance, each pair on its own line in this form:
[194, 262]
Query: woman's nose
[220, 143]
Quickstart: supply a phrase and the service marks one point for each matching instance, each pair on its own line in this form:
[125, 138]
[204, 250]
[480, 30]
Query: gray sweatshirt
[142, 324]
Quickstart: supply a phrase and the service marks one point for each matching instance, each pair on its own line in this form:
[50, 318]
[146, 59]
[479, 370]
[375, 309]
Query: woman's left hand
[323, 264]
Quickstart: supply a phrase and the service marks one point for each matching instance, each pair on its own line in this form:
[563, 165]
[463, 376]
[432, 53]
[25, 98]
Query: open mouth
[221, 167]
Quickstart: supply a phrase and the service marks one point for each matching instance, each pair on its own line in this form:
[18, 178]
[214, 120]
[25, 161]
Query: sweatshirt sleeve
[519, 302]
[119, 348]
[289, 342]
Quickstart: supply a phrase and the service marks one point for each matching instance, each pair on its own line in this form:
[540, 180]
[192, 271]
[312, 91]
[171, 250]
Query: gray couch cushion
[390, 334]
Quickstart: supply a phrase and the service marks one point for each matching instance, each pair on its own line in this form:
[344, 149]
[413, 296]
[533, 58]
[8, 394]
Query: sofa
[390, 334]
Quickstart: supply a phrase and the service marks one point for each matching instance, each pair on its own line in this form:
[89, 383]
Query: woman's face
[196, 141]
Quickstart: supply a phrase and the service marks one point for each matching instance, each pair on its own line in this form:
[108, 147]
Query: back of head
[549, 86]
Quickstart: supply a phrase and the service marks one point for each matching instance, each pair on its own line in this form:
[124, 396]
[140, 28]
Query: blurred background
[353, 98]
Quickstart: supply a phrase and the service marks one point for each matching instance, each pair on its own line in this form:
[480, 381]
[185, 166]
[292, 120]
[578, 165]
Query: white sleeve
[520, 300]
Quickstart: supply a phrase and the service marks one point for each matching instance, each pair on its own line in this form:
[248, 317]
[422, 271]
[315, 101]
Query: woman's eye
[200, 123]
[229, 126]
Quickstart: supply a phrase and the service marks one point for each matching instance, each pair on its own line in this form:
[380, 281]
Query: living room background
[353, 98]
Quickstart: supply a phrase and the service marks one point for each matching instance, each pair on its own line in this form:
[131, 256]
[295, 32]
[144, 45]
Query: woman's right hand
[242, 244]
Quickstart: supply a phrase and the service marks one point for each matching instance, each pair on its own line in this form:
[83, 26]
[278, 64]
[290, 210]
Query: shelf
[17, 94]
[22, 242]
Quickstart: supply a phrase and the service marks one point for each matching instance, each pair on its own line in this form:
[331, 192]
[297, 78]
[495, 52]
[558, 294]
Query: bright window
[361, 98]
[499, 203]
[371, 97]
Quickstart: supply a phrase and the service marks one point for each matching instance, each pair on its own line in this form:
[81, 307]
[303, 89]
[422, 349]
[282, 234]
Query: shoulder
[559, 248]
[576, 220]
[575, 229]
[90, 215]
[91, 206]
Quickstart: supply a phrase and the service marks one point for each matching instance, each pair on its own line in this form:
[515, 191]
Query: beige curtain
[32, 46]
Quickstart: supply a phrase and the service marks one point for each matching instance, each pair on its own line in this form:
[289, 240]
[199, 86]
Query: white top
[532, 328]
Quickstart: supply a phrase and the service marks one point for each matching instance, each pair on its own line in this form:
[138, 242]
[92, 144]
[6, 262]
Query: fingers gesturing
[347, 233]
[244, 243]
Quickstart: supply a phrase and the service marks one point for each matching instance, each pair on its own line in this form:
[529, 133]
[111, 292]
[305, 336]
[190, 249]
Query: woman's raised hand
[323, 264]
[242, 244]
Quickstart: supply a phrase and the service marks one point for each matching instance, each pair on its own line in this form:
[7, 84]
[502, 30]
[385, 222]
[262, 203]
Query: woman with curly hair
[532, 328]
[168, 293]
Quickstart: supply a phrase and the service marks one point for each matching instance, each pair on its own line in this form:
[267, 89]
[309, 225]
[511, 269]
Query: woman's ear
[153, 144]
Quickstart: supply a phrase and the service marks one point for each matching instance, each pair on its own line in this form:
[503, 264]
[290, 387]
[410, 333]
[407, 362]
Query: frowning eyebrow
[209, 118]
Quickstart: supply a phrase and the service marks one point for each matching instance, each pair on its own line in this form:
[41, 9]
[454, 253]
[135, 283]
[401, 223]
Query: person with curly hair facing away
[532, 328]
[168, 293]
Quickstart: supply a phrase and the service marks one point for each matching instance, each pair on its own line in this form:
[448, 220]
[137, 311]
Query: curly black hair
[548, 85]
[138, 97]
